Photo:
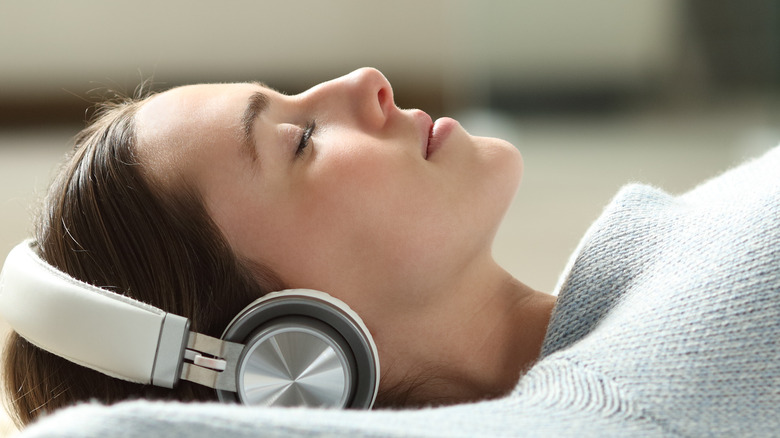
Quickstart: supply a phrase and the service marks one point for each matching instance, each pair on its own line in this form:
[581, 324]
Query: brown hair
[102, 223]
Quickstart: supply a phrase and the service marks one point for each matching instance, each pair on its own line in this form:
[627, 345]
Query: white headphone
[296, 347]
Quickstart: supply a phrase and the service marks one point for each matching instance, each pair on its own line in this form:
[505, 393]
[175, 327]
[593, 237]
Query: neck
[474, 344]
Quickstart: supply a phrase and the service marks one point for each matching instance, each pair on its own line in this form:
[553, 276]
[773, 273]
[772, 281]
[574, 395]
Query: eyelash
[305, 137]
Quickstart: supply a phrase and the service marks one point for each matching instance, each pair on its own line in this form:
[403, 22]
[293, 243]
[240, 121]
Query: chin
[505, 161]
[502, 172]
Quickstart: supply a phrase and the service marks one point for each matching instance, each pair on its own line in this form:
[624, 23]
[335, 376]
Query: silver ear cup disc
[297, 362]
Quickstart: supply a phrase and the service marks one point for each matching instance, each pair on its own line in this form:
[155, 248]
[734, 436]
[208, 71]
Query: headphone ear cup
[302, 348]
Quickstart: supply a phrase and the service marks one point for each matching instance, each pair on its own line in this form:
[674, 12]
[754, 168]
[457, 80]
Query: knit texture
[667, 324]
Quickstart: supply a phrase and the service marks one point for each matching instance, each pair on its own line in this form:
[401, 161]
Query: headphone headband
[87, 325]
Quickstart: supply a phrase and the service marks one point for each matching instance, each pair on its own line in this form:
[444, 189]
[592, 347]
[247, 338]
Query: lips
[439, 132]
[427, 149]
[432, 135]
[425, 126]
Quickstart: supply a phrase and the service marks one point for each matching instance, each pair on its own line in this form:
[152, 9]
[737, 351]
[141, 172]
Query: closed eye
[305, 139]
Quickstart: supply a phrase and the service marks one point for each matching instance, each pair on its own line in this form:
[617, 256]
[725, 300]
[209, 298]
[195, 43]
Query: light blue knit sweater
[668, 324]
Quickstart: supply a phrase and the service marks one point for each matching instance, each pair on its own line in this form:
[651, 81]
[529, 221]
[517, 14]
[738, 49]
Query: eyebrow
[256, 104]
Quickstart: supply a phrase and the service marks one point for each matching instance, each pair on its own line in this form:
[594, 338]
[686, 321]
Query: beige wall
[51, 46]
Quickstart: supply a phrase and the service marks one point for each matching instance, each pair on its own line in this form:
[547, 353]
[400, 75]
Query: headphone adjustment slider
[205, 362]
[218, 368]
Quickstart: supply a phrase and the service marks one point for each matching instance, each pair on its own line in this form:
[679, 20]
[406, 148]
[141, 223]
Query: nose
[364, 95]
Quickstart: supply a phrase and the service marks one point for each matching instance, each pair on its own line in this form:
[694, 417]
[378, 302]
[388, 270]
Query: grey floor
[573, 166]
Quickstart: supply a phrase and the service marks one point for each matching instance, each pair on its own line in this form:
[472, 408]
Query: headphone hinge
[211, 362]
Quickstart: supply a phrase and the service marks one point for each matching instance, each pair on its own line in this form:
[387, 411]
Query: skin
[362, 214]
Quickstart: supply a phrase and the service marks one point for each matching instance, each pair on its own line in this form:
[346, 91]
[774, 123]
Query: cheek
[352, 190]
[358, 211]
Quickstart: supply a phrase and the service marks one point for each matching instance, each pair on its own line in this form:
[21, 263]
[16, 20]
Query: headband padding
[90, 326]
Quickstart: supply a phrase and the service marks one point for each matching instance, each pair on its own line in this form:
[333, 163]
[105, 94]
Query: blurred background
[594, 93]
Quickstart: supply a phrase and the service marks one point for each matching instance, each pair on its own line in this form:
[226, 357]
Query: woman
[337, 189]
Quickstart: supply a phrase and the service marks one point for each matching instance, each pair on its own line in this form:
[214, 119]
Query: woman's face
[336, 188]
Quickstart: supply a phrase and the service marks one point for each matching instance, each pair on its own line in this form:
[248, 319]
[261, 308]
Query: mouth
[432, 134]
[425, 126]
[440, 130]
[427, 150]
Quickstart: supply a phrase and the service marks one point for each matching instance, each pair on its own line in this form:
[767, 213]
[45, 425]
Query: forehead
[174, 128]
[177, 111]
